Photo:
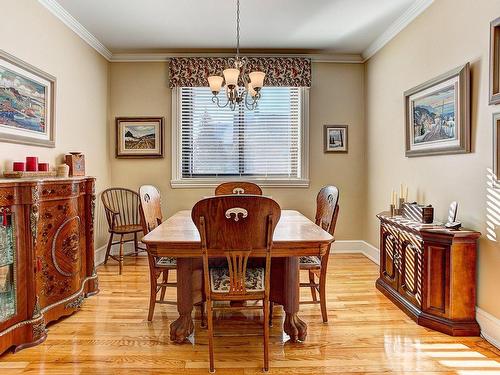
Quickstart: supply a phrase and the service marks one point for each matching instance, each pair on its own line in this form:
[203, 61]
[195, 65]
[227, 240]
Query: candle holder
[393, 210]
[401, 202]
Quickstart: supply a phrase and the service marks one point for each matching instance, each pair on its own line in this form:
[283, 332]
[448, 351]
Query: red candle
[31, 163]
[18, 166]
[43, 167]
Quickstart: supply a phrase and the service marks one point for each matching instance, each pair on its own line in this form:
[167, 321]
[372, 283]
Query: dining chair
[327, 211]
[121, 207]
[159, 267]
[237, 227]
[238, 187]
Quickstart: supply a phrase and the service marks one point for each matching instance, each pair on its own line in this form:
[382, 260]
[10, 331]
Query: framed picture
[27, 103]
[335, 138]
[495, 61]
[496, 150]
[139, 137]
[437, 115]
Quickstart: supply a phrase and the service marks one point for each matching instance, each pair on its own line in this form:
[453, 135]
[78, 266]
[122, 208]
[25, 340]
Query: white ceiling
[340, 26]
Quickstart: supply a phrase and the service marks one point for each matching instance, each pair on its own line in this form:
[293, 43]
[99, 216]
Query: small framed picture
[335, 138]
[139, 137]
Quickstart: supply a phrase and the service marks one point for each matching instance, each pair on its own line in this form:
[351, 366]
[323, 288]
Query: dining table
[295, 236]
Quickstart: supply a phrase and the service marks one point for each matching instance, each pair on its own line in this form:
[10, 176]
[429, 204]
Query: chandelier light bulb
[257, 79]
[215, 83]
[231, 76]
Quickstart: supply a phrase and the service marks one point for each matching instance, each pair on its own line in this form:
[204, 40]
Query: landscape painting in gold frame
[139, 137]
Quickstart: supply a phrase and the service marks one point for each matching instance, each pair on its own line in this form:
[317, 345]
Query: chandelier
[251, 93]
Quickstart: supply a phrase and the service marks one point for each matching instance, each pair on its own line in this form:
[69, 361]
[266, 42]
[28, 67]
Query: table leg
[293, 325]
[183, 326]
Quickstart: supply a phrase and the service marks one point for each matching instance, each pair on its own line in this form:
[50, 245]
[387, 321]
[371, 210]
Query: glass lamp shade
[215, 83]
[231, 76]
[257, 79]
[251, 90]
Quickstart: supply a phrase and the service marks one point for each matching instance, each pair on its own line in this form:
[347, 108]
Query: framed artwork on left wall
[27, 103]
[139, 137]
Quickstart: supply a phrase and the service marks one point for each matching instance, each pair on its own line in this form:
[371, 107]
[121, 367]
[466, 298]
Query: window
[267, 145]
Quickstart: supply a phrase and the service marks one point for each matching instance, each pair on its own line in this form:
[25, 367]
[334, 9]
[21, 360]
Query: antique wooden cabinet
[46, 255]
[430, 273]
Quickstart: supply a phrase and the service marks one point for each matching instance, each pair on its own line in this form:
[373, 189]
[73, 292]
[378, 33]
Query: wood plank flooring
[366, 334]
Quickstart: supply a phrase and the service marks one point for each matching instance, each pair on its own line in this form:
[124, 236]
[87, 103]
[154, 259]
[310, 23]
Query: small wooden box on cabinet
[429, 272]
[76, 163]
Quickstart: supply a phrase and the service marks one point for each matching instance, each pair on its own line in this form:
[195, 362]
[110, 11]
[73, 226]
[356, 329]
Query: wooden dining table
[295, 235]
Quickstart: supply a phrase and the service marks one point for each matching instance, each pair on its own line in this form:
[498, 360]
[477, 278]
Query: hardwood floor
[366, 334]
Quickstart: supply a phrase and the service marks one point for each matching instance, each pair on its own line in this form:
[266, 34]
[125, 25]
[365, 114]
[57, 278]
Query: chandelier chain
[238, 29]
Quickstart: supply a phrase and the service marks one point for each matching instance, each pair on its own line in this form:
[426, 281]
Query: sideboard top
[420, 227]
[14, 181]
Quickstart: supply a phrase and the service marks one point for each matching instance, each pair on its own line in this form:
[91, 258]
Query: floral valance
[280, 71]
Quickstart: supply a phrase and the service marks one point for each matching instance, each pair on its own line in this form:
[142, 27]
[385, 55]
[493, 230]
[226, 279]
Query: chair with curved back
[327, 211]
[238, 187]
[151, 217]
[121, 207]
[237, 227]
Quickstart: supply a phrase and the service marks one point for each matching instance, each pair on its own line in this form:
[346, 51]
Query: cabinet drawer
[55, 191]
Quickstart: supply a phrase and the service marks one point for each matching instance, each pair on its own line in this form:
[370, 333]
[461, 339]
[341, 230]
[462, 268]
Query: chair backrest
[327, 208]
[236, 225]
[238, 187]
[121, 206]
[150, 208]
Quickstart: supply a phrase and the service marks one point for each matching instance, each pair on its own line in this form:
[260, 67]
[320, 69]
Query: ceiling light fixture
[251, 93]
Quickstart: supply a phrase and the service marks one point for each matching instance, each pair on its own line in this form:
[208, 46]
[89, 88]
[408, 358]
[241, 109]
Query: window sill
[205, 183]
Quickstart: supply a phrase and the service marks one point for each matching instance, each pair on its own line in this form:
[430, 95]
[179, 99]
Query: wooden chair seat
[312, 261]
[166, 262]
[220, 281]
[129, 228]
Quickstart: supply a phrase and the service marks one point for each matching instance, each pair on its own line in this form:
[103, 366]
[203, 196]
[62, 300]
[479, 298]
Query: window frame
[178, 181]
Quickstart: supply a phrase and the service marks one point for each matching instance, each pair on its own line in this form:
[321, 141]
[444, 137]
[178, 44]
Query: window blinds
[264, 143]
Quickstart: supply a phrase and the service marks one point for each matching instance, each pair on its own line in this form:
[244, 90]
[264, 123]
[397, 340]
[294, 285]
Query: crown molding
[396, 27]
[411, 13]
[160, 57]
[57, 10]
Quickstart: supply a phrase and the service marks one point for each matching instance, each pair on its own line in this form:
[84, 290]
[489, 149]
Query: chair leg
[108, 249]
[313, 289]
[136, 244]
[266, 335]
[322, 286]
[271, 308]
[154, 285]
[164, 288]
[210, 336]
[120, 258]
[203, 316]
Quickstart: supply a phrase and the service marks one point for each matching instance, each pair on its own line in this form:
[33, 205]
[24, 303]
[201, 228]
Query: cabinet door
[60, 248]
[410, 280]
[436, 285]
[389, 255]
[12, 270]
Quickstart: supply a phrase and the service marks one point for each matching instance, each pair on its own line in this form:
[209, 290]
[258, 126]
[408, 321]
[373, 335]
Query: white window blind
[264, 144]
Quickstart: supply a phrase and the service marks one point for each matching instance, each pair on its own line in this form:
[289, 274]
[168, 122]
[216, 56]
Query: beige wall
[29, 32]
[336, 97]
[450, 33]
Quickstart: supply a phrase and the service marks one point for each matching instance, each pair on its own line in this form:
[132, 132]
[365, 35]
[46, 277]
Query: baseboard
[356, 247]
[100, 253]
[490, 327]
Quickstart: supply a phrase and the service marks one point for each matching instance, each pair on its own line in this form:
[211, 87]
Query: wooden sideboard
[46, 254]
[430, 273]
